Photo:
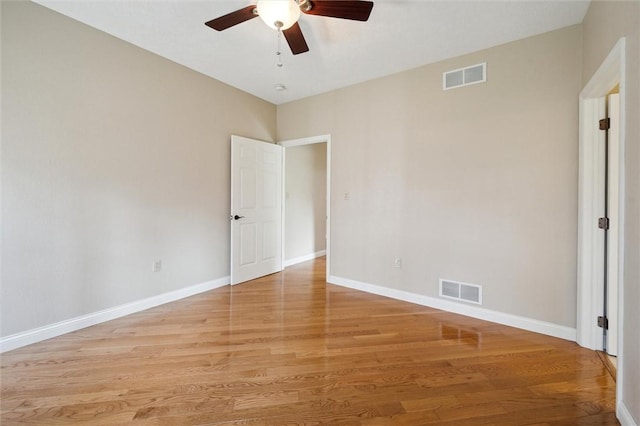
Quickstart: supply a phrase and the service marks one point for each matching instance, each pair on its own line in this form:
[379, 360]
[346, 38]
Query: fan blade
[295, 39]
[345, 9]
[233, 18]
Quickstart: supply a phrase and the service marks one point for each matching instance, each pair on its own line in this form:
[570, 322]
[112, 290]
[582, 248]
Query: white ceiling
[400, 35]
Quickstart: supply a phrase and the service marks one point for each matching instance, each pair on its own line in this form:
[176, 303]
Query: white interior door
[613, 237]
[256, 209]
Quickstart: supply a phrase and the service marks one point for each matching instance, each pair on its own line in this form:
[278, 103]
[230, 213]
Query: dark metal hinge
[603, 322]
[605, 124]
[603, 223]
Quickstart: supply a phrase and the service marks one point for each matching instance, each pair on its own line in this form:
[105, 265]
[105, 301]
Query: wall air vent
[464, 76]
[461, 291]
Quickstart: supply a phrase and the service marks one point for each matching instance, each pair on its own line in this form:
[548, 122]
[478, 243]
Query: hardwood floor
[291, 349]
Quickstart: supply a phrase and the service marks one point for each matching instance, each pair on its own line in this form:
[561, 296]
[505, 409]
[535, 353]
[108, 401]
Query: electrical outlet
[398, 262]
[156, 266]
[347, 196]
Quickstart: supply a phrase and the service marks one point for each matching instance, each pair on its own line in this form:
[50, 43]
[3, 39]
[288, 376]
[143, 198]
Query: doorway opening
[601, 211]
[306, 200]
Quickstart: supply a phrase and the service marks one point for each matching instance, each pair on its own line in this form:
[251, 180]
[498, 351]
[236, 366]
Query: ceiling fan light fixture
[278, 14]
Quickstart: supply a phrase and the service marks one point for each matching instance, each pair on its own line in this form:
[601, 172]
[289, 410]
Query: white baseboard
[304, 258]
[624, 416]
[524, 323]
[39, 334]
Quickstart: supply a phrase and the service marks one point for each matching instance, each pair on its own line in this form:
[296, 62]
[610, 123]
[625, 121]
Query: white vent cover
[465, 76]
[461, 291]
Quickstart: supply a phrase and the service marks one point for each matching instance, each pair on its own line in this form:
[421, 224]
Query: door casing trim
[590, 286]
[308, 141]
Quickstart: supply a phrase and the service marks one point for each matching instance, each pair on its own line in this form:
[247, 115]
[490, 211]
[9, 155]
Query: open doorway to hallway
[306, 205]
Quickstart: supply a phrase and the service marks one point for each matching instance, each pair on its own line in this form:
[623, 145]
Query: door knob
[236, 217]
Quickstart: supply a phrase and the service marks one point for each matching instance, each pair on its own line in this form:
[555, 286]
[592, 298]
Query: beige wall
[112, 157]
[305, 200]
[476, 184]
[604, 24]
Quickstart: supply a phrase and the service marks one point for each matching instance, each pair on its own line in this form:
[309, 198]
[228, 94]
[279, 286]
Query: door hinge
[605, 124]
[603, 322]
[603, 223]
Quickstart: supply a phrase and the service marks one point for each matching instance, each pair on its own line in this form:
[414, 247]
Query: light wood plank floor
[291, 349]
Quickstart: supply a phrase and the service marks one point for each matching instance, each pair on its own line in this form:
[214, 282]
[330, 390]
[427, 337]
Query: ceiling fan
[283, 15]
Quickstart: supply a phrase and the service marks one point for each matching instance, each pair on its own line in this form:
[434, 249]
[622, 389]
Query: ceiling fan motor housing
[305, 5]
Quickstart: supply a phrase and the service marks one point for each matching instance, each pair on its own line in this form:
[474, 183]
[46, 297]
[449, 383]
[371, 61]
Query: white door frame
[590, 201]
[308, 141]
[613, 234]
